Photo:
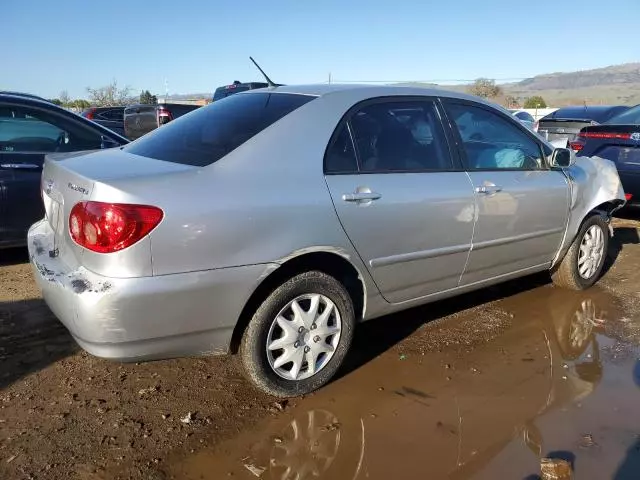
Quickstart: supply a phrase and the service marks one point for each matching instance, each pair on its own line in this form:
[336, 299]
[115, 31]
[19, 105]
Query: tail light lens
[606, 135]
[577, 145]
[90, 114]
[628, 196]
[110, 227]
[164, 116]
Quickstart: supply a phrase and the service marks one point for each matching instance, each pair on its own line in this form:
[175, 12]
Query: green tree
[56, 101]
[511, 101]
[65, 98]
[147, 99]
[535, 102]
[80, 104]
[485, 88]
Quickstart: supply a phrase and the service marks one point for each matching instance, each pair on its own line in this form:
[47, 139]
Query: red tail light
[90, 114]
[576, 146]
[110, 227]
[164, 116]
[628, 196]
[607, 135]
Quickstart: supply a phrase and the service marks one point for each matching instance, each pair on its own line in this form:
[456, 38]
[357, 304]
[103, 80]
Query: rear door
[523, 206]
[27, 134]
[402, 198]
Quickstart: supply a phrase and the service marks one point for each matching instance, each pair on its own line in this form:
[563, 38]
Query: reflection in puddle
[561, 382]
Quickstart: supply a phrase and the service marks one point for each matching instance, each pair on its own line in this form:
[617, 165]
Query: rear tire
[309, 320]
[582, 265]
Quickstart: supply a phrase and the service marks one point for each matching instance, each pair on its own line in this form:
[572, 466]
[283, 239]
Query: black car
[618, 140]
[110, 117]
[30, 128]
[566, 122]
[237, 87]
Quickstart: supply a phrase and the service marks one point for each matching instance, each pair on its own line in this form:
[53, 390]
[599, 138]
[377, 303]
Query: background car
[565, 123]
[29, 129]
[237, 87]
[110, 117]
[526, 118]
[141, 119]
[618, 140]
[273, 221]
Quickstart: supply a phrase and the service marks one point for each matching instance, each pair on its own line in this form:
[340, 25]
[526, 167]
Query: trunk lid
[71, 178]
[559, 128]
[618, 143]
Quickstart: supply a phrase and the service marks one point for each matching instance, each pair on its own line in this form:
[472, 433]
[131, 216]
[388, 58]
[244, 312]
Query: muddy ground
[481, 386]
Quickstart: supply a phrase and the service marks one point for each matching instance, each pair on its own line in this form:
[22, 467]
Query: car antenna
[269, 81]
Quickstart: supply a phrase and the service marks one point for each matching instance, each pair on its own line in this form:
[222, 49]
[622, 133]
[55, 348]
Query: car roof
[23, 95]
[364, 91]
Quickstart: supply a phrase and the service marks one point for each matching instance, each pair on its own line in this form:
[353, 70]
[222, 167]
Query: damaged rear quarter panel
[592, 182]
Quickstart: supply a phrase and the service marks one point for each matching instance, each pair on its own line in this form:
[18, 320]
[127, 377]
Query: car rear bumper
[130, 319]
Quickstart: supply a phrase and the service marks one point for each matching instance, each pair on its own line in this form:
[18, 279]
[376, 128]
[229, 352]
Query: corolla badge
[78, 188]
[635, 136]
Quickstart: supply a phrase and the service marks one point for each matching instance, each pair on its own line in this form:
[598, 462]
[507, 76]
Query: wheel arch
[330, 263]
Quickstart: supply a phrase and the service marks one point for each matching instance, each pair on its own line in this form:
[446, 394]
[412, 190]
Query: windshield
[207, 134]
[630, 117]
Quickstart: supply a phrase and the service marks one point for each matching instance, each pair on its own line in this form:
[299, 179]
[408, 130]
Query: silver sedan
[272, 222]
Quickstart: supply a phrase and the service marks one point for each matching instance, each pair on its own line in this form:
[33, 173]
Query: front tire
[299, 336]
[582, 265]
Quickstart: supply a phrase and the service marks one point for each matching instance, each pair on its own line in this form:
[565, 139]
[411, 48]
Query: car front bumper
[143, 318]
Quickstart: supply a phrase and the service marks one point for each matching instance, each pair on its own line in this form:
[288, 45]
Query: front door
[405, 205]
[523, 205]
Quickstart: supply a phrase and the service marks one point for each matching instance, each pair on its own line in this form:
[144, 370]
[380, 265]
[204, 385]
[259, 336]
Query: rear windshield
[209, 133]
[630, 117]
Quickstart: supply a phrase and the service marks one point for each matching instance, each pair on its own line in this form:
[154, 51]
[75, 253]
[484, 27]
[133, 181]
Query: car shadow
[623, 235]
[31, 338]
[376, 336]
[13, 256]
[630, 467]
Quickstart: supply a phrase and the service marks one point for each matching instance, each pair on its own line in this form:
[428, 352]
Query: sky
[196, 46]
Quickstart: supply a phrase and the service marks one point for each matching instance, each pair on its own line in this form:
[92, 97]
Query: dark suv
[110, 117]
[237, 87]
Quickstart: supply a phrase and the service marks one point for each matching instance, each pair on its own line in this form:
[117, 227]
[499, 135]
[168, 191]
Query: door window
[492, 142]
[341, 157]
[31, 130]
[403, 136]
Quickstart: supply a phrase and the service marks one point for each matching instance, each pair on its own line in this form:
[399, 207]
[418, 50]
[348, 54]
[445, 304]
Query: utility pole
[329, 78]
[166, 90]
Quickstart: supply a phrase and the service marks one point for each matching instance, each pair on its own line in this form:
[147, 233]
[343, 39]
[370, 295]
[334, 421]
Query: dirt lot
[460, 379]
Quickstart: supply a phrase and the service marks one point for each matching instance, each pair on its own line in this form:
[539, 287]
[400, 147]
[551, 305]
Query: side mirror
[106, 142]
[562, 158]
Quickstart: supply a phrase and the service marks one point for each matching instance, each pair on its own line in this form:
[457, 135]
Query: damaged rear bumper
[130, 319]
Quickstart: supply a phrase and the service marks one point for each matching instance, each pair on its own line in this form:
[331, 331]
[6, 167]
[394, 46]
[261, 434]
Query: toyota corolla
[272, 222]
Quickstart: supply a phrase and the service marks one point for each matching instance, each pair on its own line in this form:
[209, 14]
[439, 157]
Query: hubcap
[591, 252]
[303, 337]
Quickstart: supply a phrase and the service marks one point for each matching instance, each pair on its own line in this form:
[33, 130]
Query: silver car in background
[273, 221]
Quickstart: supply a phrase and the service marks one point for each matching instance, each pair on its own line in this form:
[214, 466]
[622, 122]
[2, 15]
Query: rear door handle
[20, 166]
[488, 189]
[360, 197]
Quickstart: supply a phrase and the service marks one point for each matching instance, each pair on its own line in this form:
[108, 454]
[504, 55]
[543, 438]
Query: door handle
[360, 197]
[488, 189]
[20, 166]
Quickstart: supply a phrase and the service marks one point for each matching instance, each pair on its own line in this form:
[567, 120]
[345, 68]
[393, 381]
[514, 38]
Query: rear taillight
[110, 227]
[164, 116]
[90, 114]
[606, 135]
[628, 196]
[576, 146]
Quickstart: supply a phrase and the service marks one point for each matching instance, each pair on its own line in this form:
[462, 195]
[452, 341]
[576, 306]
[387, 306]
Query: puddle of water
[562, 381]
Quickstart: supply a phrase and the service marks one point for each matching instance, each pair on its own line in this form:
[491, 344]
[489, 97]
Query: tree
[109, 95]
[535, 102]
[147, 99]
[485, 88]
[80, 104]
[511, 101]
[56, 101]
[64, 98]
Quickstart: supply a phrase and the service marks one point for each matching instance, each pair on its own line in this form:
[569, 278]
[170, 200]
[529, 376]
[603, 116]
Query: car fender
[593, 181]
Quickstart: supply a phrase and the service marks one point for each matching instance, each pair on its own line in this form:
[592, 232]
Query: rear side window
[209, 133]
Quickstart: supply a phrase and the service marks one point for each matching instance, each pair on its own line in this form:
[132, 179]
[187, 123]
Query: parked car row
[272, 222]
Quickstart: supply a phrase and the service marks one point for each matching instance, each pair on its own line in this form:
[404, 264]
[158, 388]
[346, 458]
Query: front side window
[24, 129]
[493, 142]
[209, 133]
[400, 137]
